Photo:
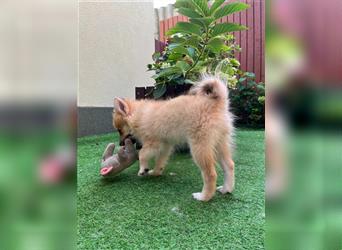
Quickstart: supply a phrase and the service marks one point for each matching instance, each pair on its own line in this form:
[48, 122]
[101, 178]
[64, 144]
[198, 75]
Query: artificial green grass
[131, 212]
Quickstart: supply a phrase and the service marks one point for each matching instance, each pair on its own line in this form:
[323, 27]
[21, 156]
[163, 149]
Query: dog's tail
[212, 87]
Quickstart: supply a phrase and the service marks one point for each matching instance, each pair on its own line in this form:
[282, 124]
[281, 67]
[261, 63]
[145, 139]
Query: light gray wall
[116, 42]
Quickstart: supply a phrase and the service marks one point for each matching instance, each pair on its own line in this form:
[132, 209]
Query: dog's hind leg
[205, 159]
[227, 165]
[161, 159]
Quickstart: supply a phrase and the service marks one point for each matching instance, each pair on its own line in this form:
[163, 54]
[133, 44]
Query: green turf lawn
[131, 212]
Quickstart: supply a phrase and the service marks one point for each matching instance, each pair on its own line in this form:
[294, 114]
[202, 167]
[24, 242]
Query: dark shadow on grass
[107, 181]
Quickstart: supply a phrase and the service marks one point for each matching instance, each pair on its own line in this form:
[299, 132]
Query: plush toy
[113, 164]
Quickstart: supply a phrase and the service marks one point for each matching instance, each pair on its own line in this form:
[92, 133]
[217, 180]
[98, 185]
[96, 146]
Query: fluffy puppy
[200, 118]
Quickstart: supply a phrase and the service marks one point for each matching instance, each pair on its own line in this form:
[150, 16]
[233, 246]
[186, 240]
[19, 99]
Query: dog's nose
[122, 143]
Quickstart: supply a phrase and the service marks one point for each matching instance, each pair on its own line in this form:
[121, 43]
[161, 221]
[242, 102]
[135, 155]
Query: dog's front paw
[152, 172]
[143, 172]
[200, 197]
[224, 190]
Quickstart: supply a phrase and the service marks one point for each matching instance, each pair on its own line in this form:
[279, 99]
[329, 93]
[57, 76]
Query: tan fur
[200, 118]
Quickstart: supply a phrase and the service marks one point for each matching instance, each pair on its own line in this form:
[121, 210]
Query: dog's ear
[121, 106]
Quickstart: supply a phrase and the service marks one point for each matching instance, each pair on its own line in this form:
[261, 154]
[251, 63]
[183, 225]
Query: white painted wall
[116, 42]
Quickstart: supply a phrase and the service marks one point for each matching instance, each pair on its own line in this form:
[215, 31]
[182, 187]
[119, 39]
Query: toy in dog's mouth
[106, 170]
[129, 136]
[134, 140]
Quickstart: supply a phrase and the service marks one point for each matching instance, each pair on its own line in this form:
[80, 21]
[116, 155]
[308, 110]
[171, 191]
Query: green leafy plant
[247, 101]
[201, 45]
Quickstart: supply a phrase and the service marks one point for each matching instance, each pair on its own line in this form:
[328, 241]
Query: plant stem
[200, 55]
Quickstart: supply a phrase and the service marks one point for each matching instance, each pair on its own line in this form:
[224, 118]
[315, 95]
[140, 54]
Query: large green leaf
[191, 52]
[188, 12]
[235, 62]
[185, 27]
[159, 91]
[242, 79]
[204, 21]
[185, 4]
[230, 9]
[175, 57]
[193, 41]
[222, 28]
[180, 50]
[177, 39]
[216, 5]
[250, 74]
[201, 6]
[183, 66]
[216, 44]
[167, 72]
[172, 46]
